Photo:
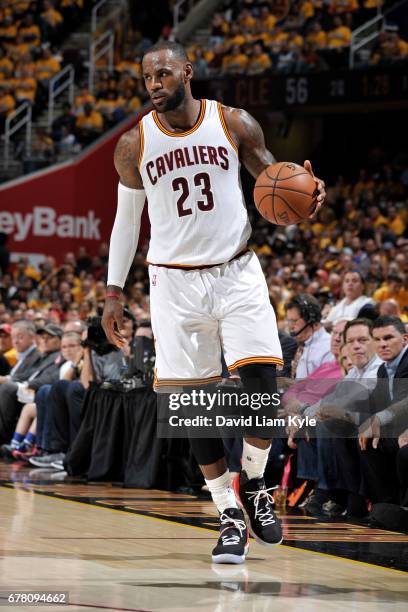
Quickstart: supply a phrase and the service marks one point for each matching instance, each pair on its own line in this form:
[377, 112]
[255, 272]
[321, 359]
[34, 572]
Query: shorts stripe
[248, 360]
[177, 382]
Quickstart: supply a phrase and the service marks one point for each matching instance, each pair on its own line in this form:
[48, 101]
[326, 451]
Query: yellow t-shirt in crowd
[384, 293]
[92, 121]
[7, 103]
[233, 61]
[26, 89]
[46, 68]
[318, 38]
[339, 37]
[261, 62]
[52, 17]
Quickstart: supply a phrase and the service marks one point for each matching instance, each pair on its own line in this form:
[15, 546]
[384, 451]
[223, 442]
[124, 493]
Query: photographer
[102, 363]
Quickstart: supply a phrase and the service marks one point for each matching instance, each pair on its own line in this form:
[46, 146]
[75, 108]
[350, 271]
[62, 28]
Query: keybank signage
[66, 206]
[44, 221]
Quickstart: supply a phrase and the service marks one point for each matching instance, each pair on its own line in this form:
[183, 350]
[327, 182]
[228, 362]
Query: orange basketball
[285, 193]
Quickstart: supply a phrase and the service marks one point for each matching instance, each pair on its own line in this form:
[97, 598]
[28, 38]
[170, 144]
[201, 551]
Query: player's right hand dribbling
[112, 321]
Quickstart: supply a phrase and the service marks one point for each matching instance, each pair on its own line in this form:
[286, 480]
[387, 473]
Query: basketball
[285, 193]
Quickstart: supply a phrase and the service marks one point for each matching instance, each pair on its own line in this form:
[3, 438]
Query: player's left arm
[253, 153]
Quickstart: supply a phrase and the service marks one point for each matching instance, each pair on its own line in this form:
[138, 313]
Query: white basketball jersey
[196, 206]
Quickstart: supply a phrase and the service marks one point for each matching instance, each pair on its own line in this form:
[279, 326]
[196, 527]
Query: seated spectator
[267, 19]
[393, 289]
[353, 301]
[218, 30]
[200, 65]
[245, 20]
[317, 36]
[306, 11]
[235, 62]
[18, 48]
[64, 401]
[396, 222]
[303, 315]
[391, 308]
[378, 435]
[22, 443]
[339, 7]
[23, 440]
[26, 87]
[68, 144]
[8, 31]
[306, 392]
[46, 67]
[7, 104]
[89, 124]
[6, 65]
[52, 21]
[66, 120]
[259, 61]
[131, 65]
[340, 411]
[395, 516]
[109, 106]
[23, 340]
[339, 36]
[42, 146]
[83, 97]
[287, 59]
[29, 31]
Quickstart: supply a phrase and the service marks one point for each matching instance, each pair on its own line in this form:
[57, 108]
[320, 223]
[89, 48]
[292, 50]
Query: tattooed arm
[125, 159]
[250, 140]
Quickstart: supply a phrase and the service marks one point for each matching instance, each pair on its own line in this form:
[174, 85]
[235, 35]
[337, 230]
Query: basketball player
[207, 288]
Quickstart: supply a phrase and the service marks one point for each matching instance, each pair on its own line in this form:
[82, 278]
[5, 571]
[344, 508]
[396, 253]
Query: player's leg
[251, 344]
[188, 353]
[253, 494]
[232, 545]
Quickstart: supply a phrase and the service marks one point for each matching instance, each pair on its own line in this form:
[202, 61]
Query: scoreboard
[323, 92]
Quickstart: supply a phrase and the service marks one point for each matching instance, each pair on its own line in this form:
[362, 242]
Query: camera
[97, 340]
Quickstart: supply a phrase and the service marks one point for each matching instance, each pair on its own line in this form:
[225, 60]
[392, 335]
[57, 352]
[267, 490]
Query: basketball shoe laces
[236, 524]
[263, 511]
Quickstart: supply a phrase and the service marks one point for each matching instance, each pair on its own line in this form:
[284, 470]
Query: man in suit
[23, 341]
[378, 435]
[33, 369]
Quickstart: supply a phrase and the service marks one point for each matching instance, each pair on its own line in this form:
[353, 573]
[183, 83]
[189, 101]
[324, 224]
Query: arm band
[125, 234]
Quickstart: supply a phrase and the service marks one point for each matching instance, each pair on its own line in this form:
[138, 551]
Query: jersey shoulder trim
[188, 132]
[141, 144]
[225, 128]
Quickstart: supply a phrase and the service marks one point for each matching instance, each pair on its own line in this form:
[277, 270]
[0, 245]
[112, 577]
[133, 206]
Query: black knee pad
[259, 378]
[207, 450]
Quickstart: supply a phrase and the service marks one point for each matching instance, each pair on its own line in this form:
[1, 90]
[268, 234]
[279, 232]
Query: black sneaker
[313, 507]
[232, 546]
[257, 501]
[6, 451]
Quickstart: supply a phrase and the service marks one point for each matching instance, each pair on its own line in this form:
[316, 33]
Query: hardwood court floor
[148, 551]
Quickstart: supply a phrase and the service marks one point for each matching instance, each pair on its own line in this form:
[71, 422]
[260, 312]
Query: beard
[173, 101]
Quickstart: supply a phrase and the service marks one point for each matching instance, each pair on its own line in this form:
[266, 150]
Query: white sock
[221, 492]
[254, 460]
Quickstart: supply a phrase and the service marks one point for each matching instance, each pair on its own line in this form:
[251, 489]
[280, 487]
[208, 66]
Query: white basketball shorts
[197, 313]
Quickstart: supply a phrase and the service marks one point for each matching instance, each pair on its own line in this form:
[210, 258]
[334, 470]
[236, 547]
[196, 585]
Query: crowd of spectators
[350, 263]
[30, 55]
[30, 38]
[251, 37]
